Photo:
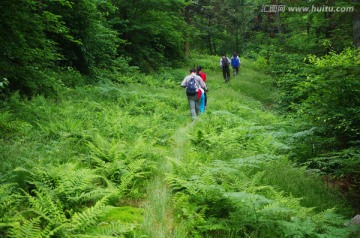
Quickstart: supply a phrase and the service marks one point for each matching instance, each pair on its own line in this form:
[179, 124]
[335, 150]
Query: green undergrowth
[124, 159]
[235, 178]
[78, 165]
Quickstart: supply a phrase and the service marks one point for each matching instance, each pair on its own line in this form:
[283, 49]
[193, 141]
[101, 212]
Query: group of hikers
[225, 63]
[195, 83]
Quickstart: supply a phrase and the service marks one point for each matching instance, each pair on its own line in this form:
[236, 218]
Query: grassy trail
[159, 220]
[239, 122]
[158, 216]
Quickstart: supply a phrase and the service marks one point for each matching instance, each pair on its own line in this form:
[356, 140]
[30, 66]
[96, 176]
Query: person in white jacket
[225, 65]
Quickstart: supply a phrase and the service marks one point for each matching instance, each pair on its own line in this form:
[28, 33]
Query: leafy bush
[332, 91]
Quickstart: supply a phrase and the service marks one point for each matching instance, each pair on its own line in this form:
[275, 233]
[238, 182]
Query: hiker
[203, 98]
[225, 63]
[193, 83]
[235, 63]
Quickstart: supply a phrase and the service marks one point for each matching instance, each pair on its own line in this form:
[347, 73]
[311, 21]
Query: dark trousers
[236, 70]
[226, 73]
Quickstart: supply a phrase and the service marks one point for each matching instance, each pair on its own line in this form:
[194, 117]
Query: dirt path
[158, 217]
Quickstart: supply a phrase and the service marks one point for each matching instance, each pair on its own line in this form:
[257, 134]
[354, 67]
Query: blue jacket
[235, 61]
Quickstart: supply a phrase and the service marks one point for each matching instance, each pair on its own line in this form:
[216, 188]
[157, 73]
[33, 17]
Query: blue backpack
[191, 88]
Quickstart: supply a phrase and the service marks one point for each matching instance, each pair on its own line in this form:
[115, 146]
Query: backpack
[191, 88]
[235, 62]
[225, 62]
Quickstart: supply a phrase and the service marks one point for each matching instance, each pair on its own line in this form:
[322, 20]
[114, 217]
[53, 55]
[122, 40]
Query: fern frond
[28, 228]
[107, 151]
[8, 197]
[328, 217]
[45, 206]
[78, 184]
[175, 182]
[242, 197]
[253, 161]
[298, 227]
[111, 229]
[22, 170]
[94, 195]
[134, 170]
[82, 221]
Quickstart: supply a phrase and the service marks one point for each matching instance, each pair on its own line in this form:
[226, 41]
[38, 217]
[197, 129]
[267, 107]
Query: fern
[8, 197]
[107, 151]
[84, 220]
[29, 228]
[48, 212]
[330, 224]
[110, 229]
[134, 171]
[10, 201]
[44, 205]
[81, 185]
[43, 218]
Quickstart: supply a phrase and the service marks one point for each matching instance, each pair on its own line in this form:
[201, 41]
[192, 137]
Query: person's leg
[192, 105]
[197, 107]
[205, 99]
[224, 73]
[202, 102]
[228, 74]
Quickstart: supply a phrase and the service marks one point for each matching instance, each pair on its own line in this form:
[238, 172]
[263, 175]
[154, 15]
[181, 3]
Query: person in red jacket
[201, 73]
[203, 77]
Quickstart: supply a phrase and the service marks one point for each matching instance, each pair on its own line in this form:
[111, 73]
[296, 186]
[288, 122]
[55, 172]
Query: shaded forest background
[313, 58]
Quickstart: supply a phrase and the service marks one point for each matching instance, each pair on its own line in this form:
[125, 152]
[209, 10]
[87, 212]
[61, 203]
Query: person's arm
[183, 83]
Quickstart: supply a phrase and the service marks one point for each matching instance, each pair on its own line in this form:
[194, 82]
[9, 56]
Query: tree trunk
[187, 46]
[278, 25]
[187, 16]
[209, 36]
[237, 39]
[356, 24]
[210, 45]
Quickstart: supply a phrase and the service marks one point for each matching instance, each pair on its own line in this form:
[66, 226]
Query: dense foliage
[45, 43]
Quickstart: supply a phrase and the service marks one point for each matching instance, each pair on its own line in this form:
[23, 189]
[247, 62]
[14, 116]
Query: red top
[203, 76]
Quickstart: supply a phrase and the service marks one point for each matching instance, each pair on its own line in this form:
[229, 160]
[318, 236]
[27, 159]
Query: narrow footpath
[158, 217]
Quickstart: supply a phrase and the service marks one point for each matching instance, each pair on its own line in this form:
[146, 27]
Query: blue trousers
[202, 102]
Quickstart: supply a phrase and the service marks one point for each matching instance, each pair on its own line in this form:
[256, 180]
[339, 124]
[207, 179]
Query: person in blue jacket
[235, 63]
